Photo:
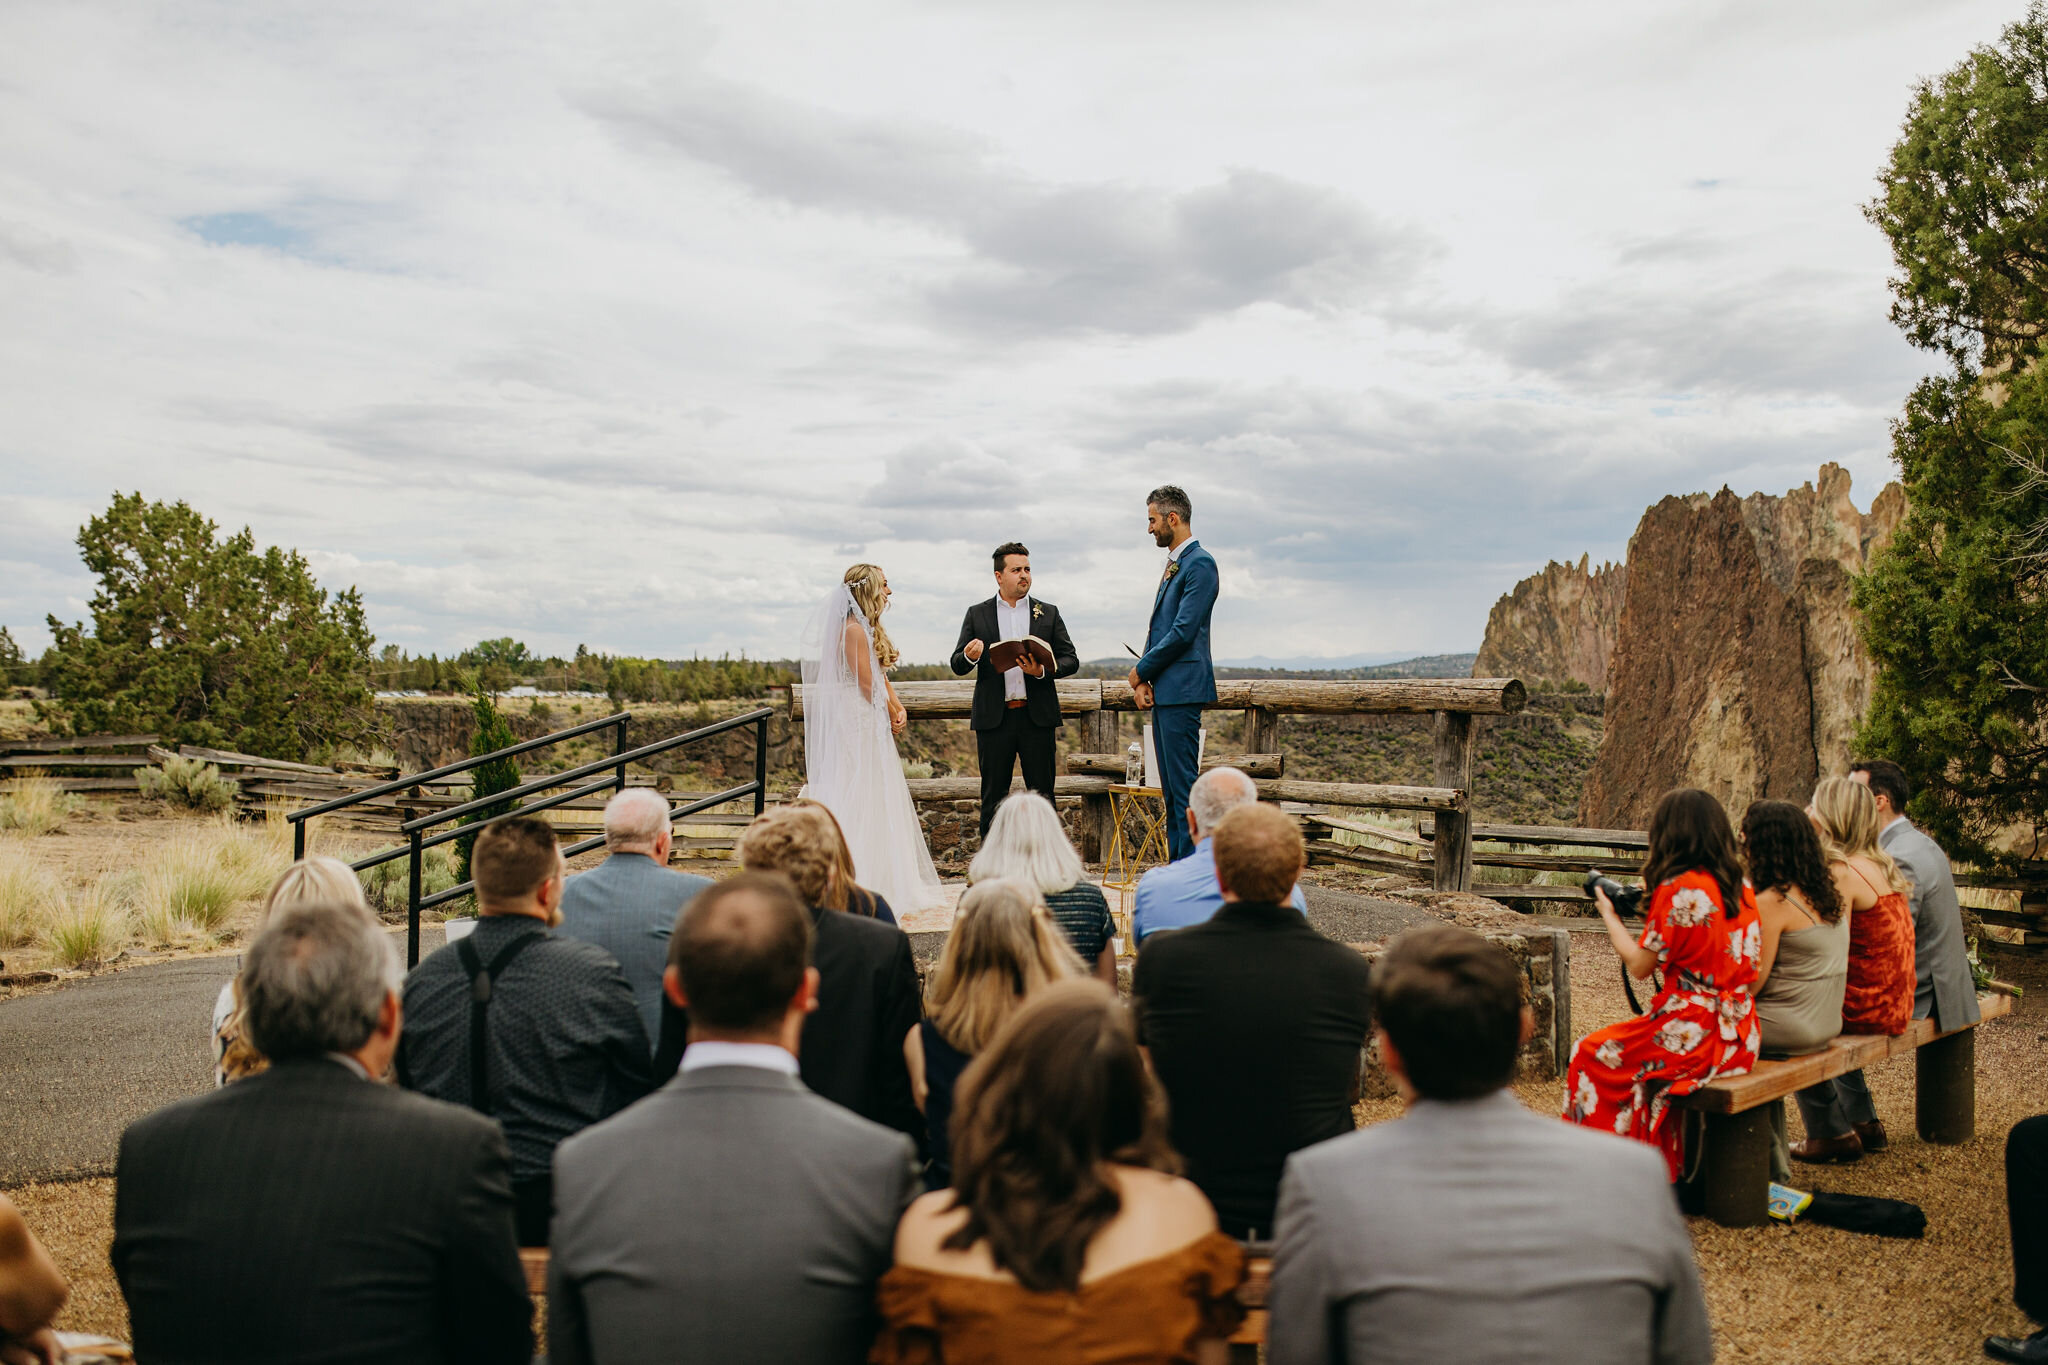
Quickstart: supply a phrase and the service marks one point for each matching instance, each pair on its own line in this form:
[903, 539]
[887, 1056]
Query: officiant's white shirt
[1015, 624]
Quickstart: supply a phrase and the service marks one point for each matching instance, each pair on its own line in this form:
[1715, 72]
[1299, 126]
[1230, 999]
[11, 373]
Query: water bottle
[1134, 765]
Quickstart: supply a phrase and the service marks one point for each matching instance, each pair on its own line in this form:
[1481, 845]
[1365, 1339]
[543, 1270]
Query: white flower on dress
[1583, 1100]
[1654, 941]
[1747, 945]
[1680, 1036]
[1608, 1054]
[1690, 908]
[1624, 1119]
[1730, 1011]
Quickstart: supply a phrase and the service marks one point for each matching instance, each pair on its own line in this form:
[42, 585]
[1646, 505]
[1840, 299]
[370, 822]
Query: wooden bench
[1732, 1182]
[1245, 1344]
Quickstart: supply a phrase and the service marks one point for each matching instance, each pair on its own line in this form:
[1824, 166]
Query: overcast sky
[633, 325]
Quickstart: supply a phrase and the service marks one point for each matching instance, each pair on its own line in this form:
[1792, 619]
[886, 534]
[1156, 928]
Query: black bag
[1867, 1213]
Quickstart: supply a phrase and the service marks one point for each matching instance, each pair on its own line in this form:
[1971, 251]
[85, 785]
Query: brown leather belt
[1014, 702]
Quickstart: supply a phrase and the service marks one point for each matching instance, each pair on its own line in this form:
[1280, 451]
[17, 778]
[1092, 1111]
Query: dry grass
[89, 929]
[36, 805]
[203, 876]
[30, 894]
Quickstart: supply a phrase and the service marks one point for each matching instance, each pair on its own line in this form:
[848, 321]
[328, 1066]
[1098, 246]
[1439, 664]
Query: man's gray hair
[634, 818]
[1218, 792]
[1170, 497]
[315, 980]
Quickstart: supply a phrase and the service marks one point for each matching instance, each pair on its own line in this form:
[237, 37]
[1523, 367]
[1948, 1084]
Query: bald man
[627, 905]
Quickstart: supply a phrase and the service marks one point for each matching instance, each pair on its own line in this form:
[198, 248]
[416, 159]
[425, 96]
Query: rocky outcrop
[1738, 665]
[1556, 626]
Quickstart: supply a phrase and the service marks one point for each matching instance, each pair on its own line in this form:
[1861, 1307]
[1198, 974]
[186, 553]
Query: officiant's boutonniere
[1036, 611]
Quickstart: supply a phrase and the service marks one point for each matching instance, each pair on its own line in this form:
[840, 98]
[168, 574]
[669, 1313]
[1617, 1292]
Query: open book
[1007, 654]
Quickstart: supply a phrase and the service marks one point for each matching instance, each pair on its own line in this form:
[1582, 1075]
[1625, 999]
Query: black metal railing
[415, 830]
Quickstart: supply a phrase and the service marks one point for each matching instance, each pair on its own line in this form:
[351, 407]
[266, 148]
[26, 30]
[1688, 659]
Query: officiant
[1016, 645]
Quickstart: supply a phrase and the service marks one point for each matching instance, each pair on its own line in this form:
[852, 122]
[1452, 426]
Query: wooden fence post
[1261, 730]
[1451, 849]
[1099, 735]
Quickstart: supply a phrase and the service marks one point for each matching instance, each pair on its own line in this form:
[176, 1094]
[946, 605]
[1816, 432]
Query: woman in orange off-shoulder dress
[1066, 1238]
[1701, 927]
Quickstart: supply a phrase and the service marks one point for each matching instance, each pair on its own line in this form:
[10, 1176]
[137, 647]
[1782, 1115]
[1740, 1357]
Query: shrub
[188, 784]
[493, 733]
[30, 896]
[200, 878]
[385, 884]
[88, 929]
[37, 805]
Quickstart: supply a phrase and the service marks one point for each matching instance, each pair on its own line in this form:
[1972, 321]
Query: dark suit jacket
[1256, 1025]
[852, 1047]
[1041, 698]
[730, 1216]
[308, 1214]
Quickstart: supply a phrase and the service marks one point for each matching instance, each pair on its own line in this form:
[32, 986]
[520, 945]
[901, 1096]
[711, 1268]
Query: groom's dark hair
[1172, 498]
[1005, 550]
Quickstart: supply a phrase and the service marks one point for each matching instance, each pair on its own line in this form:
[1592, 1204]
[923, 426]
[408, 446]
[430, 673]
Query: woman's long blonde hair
[1848, 828]
[865, 582]
[1003, 949]
[844, 893]
[318, 878]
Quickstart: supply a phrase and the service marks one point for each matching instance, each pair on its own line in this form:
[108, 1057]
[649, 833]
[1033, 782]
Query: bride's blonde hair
[865, 582]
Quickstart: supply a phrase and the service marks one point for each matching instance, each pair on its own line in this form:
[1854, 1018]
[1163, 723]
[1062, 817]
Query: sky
[633, 325]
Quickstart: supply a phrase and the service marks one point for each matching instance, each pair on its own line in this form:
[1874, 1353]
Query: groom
[1175, 677]
[1015, 711]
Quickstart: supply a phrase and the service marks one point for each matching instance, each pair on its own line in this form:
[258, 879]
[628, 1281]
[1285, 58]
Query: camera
[1628, 900]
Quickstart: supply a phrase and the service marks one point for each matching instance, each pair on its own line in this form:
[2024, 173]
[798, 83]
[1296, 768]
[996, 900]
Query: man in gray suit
[731, 1215]
[627, 904]
[1844, 1125]
[1471, 1228]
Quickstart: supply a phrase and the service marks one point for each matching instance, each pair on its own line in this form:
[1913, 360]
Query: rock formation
[1737, 664]
[1556, 626]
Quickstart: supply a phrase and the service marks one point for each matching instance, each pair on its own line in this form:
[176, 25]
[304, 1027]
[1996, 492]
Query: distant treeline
[495, 665]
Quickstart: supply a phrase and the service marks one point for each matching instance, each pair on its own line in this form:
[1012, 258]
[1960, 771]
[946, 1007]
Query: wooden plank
[1557, 862]
[953, 699]
[1261, 730]
[1381, 697]
[1527, 891]
[226, 757]
[75, 743]
[1549, 834]
[1399, 836]
[534, 1261]
[1251, 765]
[1362, 794]
[2016, 919]
[969, 788]
[1771, 1080]
[53, 762]
[1451, 733]
[1326, 850]
[81, 784]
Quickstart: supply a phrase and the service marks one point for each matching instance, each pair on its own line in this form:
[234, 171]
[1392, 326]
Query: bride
[851, 718]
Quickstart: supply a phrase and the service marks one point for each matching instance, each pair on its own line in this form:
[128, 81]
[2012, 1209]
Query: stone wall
[1543, 957]
[952, 830]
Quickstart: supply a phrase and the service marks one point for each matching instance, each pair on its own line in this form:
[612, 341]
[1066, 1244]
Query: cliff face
[1556, 626]
[1737, 665]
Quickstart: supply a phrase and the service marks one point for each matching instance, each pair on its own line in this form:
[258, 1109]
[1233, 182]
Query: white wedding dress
[850, 758]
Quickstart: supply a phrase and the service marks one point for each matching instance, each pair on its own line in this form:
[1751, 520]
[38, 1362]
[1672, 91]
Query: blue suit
[1177, 664]
[627, 905]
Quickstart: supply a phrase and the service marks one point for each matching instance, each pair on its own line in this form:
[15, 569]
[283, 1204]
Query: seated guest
[1003, 949]
[32, 1291]
[2026, 1206]
[1185, 892]
[1803, 967]
[734, 1215]
[852, 1051]
[628, 903]
[845, 893]
[309, 1213]
[1066, 1239]
[1025, 843]
[1843, 1125]
[1701, 928]
[556, 1042]
[1841, 1120]
[317, 878]
[1254, 1023]
[1470, 1228]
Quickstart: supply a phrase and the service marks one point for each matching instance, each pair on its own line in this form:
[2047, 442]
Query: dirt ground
[1791, 1296]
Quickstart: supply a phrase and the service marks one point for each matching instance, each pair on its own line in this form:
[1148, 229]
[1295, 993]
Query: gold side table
[1123, 865]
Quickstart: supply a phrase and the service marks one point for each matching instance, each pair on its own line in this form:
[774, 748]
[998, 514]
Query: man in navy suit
[1175, 678]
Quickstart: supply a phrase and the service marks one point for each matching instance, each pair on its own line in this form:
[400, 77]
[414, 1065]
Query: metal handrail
[299, 817]
[417, 842]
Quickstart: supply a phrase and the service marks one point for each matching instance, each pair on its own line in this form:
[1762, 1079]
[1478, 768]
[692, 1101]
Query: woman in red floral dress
[1701, 927]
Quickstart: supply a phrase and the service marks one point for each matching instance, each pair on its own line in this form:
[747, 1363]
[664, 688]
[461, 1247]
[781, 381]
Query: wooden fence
[1098, 705]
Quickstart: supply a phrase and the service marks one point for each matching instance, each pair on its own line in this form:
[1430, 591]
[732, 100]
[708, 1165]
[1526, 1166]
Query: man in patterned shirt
[536, 1031]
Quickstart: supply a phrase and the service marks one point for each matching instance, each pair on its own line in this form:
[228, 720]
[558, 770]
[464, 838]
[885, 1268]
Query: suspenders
[481, 979]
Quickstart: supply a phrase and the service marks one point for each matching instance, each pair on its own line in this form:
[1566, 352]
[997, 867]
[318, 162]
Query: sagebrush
[188, 784]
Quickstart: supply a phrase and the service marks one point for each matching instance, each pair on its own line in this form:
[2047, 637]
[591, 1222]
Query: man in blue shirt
[1187, 892]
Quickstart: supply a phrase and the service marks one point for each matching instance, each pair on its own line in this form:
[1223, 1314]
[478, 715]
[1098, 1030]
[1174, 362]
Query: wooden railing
[1098, 704]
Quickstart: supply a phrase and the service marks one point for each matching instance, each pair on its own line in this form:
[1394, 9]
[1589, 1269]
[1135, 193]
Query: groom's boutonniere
[1172, 568]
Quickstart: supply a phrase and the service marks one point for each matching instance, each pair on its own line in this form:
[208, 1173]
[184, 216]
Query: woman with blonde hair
[844, 893]
[1027, 842]
[851, 719]
[1879, 996]
[318, 878]
[1068, 1236]
[1003, 948]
